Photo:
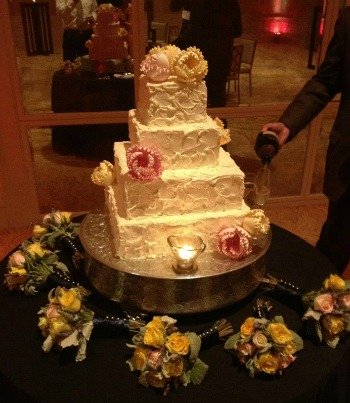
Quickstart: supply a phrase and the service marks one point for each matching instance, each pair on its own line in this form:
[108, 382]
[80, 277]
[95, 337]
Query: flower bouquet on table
[29, 268]
[165, 357]
[265, 345]
[329, 309]
[65, 321]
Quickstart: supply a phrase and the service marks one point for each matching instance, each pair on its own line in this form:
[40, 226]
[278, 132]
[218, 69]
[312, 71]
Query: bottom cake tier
[151, 285]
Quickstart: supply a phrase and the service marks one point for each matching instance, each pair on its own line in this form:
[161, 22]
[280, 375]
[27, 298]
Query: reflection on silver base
[151, 284]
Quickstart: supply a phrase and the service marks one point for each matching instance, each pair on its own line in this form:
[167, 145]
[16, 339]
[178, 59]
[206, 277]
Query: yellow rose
[140, 359]
[177, 343]
[18, 271]
[173, 368]
[334, 282]
[66, 216]
[333, 324]
[39, 231]
[58, 326]
[267, 363]
[156, 322]
[156, 379]
[289, 348]
[35, 249]
[69, 300]
[247, 327]
[44, 323]
[154, 337]
[279, 333]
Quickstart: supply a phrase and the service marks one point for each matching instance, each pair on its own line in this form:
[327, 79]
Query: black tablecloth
[320, 374]
[88, 92]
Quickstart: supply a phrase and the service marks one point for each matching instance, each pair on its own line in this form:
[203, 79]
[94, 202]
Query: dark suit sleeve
[322, 88]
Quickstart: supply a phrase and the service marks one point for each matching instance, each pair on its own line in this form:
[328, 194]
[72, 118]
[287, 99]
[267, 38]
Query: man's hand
[280, 129]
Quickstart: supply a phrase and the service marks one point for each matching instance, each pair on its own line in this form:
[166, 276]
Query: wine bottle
[266, 146]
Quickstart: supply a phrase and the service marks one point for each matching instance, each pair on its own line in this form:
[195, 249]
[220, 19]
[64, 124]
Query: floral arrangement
[237, 241]
[329, 309]
[29, 267]
[103, 175]
[144, 163]
[186, 65]
[165, 357]
[265, 346]
[65, 321]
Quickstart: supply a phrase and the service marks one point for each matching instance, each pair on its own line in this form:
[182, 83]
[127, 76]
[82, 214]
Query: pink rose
[324, 303]
[52, 311]
[246, 348]
[344, 301]
[155, 358]
[17, 259]
[234, 242]
[143, 163]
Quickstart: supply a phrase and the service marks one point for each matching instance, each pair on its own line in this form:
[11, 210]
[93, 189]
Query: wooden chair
[161, 32]
[249, 46]
[235, 71]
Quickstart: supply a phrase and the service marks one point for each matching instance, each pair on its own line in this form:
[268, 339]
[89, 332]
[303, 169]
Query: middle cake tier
[178, 191]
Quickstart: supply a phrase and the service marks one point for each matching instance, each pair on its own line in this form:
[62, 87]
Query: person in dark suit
[211, 27]
[332, 78]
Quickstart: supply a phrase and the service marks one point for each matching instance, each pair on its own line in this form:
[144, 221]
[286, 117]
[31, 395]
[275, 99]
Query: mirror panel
[62, 175]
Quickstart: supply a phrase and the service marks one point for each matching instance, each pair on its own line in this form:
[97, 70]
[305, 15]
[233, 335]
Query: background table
[88, 92]
[320, 374]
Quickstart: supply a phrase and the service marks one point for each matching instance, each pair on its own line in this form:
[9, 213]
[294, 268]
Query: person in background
[211, 27]
[332, 78]
[78, 17]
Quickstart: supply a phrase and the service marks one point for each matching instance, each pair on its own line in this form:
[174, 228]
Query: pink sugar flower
[234, 242]
[144, 163]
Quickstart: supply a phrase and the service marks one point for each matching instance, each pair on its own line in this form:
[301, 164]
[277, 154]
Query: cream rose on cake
[103, 175]
[190, 65]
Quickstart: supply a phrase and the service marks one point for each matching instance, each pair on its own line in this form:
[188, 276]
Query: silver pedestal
[151, 284]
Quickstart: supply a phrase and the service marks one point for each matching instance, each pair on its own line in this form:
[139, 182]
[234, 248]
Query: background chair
[235, 71]
[173, 32]
[249, 46]
[161, 32]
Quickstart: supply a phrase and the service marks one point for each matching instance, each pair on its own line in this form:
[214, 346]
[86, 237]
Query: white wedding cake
[173, 177]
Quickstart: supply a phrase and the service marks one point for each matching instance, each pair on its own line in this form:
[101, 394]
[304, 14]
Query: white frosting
[182, 146]
[142, 237]
[180, 191]
[171, 102]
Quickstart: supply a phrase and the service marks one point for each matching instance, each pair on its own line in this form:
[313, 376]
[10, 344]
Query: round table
[319, 374]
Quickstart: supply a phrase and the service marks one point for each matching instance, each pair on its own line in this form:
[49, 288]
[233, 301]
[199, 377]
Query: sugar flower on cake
[190, 65]
[144, 163]
[65, 321]
[256, 223]
[103, 175]
[225, 136]
[329, 309]
[234, 242]
[265, 346]
[171, 52]
[165, 357]
[156, 66]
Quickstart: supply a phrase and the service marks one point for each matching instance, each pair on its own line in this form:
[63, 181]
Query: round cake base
[151, 285]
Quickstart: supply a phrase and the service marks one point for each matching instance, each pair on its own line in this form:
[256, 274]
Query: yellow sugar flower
[177, 343]
[247, 327]
[279, 333]
[334, 282]
[70, 300]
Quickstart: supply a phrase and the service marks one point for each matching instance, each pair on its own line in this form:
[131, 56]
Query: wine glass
[263, 186]
[249, 188]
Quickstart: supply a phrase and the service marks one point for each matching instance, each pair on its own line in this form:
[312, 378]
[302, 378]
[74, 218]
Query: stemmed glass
[250, 189]
[263, 186]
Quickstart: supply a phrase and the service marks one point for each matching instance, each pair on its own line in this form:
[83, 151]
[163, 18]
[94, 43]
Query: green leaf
[319, 331]
[230, 343]
[298, 341]
[279, 319]
[195, 345]
[198, 372]
[311, 314]
[332, 342]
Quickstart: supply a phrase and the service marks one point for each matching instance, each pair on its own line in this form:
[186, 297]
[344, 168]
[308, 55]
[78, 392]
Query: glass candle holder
[186, 250]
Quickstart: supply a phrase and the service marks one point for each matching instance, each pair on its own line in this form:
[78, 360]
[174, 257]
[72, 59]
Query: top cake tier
[171, 102]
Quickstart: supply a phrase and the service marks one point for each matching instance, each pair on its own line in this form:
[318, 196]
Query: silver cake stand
[151, 284]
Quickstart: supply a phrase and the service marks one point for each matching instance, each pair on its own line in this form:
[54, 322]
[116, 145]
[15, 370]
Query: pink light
[279, 26]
